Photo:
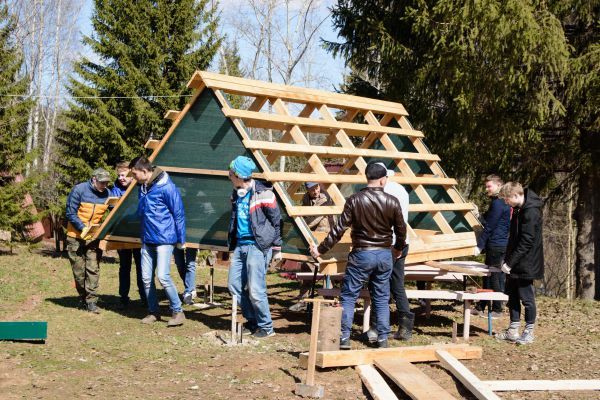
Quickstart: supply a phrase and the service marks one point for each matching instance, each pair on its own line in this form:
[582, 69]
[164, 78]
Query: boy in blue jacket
[255, 238]
[163, 227]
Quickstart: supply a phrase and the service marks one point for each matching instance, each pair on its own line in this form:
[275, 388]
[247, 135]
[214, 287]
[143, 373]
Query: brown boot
[150, 318]
[177, 319]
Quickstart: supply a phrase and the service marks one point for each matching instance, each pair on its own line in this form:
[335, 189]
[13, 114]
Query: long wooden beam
[543, 385]
[295, 149]
[257, 119]
[248, 87]
[345, 358]
[412, 380]
[377, 386]
[301, 211]
[466, 377]
[306, 177]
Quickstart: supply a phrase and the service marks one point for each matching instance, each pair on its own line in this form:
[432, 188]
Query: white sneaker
[511, 335]
[187, 299]
[526, 337]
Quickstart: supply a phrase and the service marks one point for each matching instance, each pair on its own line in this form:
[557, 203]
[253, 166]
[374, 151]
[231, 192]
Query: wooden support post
[467, 378]
[367, 314]
[466, 319]
[233, 318]
[309, 389]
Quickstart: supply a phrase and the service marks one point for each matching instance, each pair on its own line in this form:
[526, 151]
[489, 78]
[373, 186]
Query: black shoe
[248, 329]
[263, 333]
[93, 308]
[345, 344]
[382, 344]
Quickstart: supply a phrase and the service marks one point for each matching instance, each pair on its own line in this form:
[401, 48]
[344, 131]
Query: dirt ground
[113, 356]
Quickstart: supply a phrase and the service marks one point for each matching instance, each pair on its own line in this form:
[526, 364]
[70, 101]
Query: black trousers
[494, 256]
[125, 256]
[521, 291]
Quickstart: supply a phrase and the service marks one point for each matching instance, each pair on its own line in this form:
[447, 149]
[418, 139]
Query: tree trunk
[587, 215]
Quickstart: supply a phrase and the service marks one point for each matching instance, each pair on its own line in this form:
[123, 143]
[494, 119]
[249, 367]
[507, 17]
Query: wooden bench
[465, 297]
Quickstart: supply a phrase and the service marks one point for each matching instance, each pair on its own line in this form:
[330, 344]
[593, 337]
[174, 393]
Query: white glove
[505, 268]
[181, 246]
[314, 251]
[477, 251]
[276, 255]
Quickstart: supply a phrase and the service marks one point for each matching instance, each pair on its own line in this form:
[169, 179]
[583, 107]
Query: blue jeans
[157, 257]
[186, 265]
[247, 281]
[375, 267]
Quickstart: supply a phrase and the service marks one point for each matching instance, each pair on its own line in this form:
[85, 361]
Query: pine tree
[479, 78]
[14, 111]
[147, 51]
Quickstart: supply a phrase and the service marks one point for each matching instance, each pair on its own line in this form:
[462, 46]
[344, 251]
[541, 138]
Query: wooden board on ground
[543, 385]
[350, 358]
[466, 377]
[377, 386]
[412, 380]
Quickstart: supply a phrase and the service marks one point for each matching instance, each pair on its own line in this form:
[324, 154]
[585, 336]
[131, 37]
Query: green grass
[113, 356]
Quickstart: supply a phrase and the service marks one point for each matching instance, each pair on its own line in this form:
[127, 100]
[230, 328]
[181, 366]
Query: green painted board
[204, 139]
[25, 330]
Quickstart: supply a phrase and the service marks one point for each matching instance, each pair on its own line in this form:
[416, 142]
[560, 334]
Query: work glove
[505, 268]
[477, 251]
[181, 246]
[314, 251]
[276, 254]
[85, 233]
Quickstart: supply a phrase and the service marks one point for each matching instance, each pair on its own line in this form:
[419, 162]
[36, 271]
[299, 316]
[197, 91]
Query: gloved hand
[477, 251]
[181, 246]
[85, 233]
[314, 251]
[276, 254]
[505, 268]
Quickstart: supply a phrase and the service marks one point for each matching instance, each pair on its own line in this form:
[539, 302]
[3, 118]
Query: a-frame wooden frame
[310, 126]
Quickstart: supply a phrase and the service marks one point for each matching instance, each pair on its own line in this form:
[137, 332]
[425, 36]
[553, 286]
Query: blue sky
[332, 69]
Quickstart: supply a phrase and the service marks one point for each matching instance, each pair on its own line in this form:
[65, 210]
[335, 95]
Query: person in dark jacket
[120, 186]
[85, 209]
[163, 227]
[372, 216]
[255, 239]
[524, 260]
[493, 241]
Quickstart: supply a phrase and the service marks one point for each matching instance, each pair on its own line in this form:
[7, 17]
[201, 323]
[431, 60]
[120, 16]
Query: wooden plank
[495, 296]
[172, 115]
[440, 207]
[250, 87]
[305, 177]
[543, 385]
[112, 201]
[453, 268]
[377, 386]
[412, 380]
[258, 119]
[112, 245]
[23, 330]
[467, 378]
[350, 358]
[302, 211]
[410, 293]
[152, 144]
[295, 149]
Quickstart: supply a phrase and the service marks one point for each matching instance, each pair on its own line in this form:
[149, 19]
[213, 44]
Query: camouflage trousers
[85, 261]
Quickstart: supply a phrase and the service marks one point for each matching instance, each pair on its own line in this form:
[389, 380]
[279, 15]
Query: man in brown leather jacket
[371, 214]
